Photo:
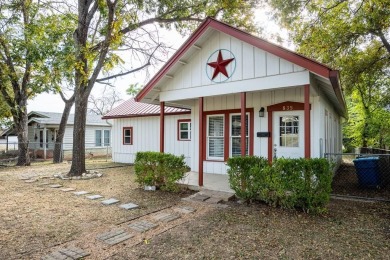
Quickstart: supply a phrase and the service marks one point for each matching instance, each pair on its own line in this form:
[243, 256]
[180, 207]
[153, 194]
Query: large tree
[106, 26]
[29, 40]
[352, 36]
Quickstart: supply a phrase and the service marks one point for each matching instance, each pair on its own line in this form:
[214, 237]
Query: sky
[49, 102]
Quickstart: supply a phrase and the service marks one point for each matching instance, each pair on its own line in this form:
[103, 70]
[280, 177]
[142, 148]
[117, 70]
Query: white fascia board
[256, 84]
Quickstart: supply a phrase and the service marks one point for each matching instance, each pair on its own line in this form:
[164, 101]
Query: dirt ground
[36, 219]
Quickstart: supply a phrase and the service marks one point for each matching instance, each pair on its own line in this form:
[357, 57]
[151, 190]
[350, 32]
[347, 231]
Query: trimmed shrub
[162, 170]
[289, 183]
[306, 183]
[244, 175]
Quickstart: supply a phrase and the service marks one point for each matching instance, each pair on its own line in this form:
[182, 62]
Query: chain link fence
[361, 175]
[37, 151]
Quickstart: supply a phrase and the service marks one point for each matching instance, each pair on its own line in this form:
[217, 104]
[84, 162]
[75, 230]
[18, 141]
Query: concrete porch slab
[212, 182]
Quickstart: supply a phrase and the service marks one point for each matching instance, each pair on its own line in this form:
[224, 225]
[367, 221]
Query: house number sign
[288, 108]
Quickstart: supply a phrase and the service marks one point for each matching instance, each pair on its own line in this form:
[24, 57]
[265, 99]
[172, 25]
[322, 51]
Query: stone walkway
[66, 253]
[138, 230]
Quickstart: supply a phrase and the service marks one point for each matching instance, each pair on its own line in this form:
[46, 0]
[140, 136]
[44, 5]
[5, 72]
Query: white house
[292, 105]
[43, 128]
[136, 127]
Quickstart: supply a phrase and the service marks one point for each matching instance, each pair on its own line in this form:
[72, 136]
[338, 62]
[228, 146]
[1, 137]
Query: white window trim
[188, 130]
[102, 143]
[109, 138]
[299, 131]
[101, 137]
[230, 133]
[207, 138]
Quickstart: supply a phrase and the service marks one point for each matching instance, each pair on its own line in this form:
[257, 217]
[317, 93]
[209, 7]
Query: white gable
[252, 69]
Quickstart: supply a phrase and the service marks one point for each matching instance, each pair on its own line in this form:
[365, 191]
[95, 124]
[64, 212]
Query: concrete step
[225, 196]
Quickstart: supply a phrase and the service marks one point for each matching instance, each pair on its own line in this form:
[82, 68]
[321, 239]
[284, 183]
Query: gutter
[334, 77]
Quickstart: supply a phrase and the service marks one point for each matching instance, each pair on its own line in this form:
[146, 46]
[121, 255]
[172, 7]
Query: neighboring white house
[292, 105]
[43, 128]
[136, 127]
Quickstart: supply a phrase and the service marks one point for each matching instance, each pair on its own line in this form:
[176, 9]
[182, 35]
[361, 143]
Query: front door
[288, 136]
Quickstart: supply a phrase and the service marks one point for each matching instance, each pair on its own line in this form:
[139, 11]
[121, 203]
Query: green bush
[243, 175]
[306, 182]
[289, 183]
[162, 170]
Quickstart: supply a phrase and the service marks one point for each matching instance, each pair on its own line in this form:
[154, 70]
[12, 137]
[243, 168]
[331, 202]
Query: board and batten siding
[259, 69]
[146, 137]
[254, 100]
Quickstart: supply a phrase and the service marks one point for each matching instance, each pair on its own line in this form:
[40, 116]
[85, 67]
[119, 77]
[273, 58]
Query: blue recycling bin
[367, 170]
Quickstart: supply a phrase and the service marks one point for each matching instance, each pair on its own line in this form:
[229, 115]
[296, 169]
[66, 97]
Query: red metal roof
[131, 108]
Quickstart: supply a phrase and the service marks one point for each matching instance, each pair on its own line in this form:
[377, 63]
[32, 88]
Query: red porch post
[270, 145]
[243, 130]
[162, 115]
[201, 137]
[307, 121]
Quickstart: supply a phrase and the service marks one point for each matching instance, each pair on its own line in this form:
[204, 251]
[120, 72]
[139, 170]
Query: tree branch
[10, 65]
[103, 52]
[384, 40]
[71, 99]
[130, 71]
[147, 22]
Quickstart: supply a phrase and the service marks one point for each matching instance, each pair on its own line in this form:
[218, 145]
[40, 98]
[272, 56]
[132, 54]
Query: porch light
[261, 112]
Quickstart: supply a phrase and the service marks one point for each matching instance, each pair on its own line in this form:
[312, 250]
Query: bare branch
[133, 70]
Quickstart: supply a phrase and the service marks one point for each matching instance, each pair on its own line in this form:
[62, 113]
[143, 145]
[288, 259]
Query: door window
[289, 131]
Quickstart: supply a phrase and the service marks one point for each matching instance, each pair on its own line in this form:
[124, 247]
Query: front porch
[215, 182]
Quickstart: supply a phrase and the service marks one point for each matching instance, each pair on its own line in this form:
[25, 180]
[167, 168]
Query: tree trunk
[78, 156]
[365, 135]
[367, 120]
[21, 126]
[57, 153]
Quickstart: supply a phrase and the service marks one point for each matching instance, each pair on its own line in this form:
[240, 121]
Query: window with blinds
[215, 137]
[235, 135]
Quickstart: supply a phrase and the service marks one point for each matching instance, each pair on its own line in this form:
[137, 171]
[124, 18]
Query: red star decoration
[220, 65]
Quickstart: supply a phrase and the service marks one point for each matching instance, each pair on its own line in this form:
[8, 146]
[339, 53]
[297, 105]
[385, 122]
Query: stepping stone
[166, 217]
[110, 201]
[200, 197]
[94, 197]
[184, 210]
[44, 183]
[129, 206]
[142, 226]
[219, 206]
[68, 189]
[30, 181]
[114, 237]
[213, 200]
[56, 186]
[70, 252]
[79, 193]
